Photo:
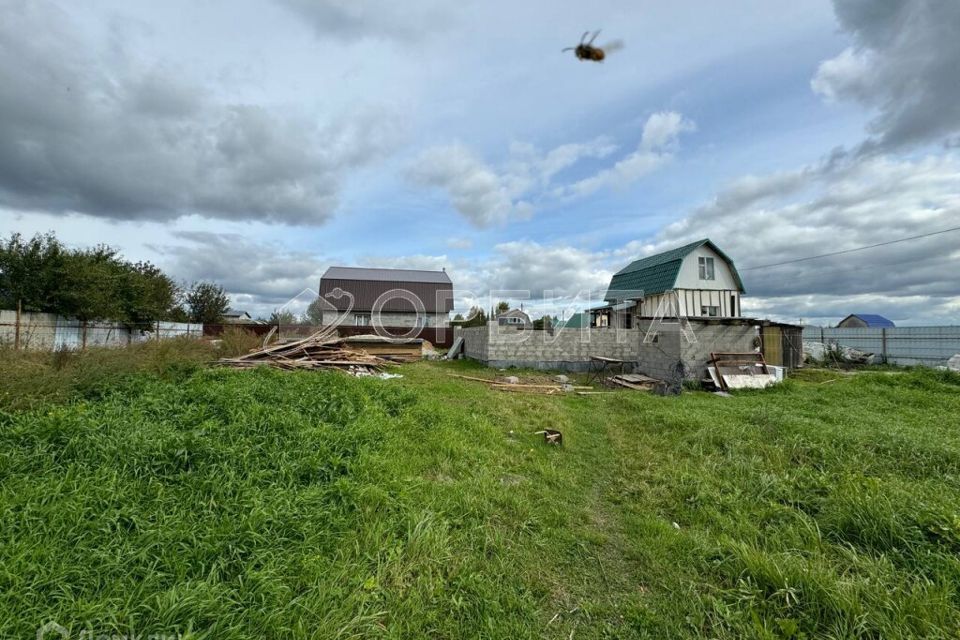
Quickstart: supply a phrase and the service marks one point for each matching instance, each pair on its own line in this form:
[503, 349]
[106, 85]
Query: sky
[256, 143]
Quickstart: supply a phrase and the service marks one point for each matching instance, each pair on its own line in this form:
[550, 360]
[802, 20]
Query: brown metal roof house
[400, 297]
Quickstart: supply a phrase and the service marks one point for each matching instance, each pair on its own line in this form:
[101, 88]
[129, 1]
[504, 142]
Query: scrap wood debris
[512, 384]
[635, 381]
[321, 350]
[551, 436]
[740, 371]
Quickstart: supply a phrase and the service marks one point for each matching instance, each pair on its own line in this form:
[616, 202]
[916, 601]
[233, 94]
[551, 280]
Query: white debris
[512, 380]
[562, 379]
[383, 375]
[953, 364]
[817, 351]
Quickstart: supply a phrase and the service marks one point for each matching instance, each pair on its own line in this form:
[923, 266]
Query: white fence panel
[930, 346]
[47, 331]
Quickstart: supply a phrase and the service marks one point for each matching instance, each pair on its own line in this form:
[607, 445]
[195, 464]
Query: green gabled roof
[658, 273]
[576, 321]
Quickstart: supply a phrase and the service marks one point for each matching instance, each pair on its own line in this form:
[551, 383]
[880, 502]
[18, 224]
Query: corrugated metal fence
[47, 331]
[929, 346]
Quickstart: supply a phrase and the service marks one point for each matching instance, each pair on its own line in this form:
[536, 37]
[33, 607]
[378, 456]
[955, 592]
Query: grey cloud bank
[105, 135]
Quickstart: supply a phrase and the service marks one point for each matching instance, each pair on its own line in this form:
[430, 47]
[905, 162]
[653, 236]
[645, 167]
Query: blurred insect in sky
[586, 50]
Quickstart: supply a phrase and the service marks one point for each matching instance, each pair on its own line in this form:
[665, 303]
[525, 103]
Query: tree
[94, 285]
[207, 302]
[502, 307]
[150, 295]
[89, 284]
[31, 272]
[458, 317]
[283, 317]
[476, 318]
[315, 311]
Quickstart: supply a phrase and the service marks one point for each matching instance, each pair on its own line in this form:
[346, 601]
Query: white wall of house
[387, 319]
[689, 276]
[695, 303]
[699, 297]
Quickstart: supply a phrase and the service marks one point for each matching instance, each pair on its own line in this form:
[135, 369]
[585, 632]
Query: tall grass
[34, 378]
[236, 342]
[267, 504]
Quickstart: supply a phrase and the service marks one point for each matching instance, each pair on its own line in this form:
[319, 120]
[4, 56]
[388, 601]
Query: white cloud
[831, 208]
[476, 190]
[902, 65]
[117, 135]
[488, 195]
[658, 144]
[259, 276]
[662, 130]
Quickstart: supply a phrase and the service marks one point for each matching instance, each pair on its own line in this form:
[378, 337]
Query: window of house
[706, 268]
[712, 311]
[361, 320]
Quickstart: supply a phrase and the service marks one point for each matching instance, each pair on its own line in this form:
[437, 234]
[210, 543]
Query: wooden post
[158, 329]
[883, 344]
[16, 327]
[83, 344]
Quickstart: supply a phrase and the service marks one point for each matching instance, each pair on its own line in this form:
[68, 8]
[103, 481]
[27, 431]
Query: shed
[782, 344]
[866, 320]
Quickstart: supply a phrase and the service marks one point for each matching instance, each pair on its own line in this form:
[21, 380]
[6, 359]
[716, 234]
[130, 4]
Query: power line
[837, 253]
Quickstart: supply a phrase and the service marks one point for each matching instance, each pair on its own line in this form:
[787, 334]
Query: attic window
[706, 268]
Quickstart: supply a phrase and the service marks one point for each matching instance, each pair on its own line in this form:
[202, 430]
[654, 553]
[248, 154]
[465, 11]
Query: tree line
[42, 274]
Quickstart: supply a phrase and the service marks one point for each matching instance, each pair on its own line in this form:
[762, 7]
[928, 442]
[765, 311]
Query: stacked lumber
[394, 349]
[322, 350]
[512, 384]
[636, 381]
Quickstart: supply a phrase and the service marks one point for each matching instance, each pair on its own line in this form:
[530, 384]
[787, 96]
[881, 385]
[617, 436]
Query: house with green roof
[695, 280]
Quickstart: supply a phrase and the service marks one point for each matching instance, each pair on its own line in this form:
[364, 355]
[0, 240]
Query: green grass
[262, 504]
[38, 378]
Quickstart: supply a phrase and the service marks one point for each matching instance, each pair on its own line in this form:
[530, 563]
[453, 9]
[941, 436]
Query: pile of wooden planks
[394, 349]
[740, 371]
[322, 350]
[636, 381]
[518, 387]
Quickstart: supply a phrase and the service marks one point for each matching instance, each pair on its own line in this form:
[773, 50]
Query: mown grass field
[263, 504]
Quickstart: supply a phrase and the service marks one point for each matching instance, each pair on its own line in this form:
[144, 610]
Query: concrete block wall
[721, 338]
[659, 358]
[571, 349]
[474, 342]
[568, 349]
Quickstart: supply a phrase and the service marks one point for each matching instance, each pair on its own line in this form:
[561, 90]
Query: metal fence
[48, 331]
[930, 346]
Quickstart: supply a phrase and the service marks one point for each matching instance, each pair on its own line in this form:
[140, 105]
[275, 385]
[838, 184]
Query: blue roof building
[866, 320]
